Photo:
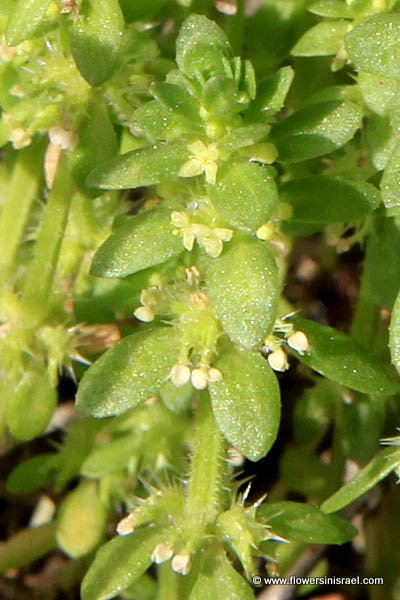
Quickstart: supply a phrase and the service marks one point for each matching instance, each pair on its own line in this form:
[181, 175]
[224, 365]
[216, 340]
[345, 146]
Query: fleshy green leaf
[325, 199]
[26, 546]
[119, 563]
[176, 100]
[25, 19]
[378, 92]
[97, 143]
[81, 520]
[394, 340]
[97, 39]
[380, 466]
[140, 9]
[139, 243]
[331, 8]
[271, 93]
[314, 410]
[316, 129]
[31, 406]
[381, 275]
[390, 184]
[146, 166]
[244, 276]
[32, 474]
[381, 140]
[246, 402]
[219, 580]
[200, 47]
[324, 39]
[305, 523]
[110, 458]
[155, 121]
[340, 358]
[128, 373]
[219, 96]
[304, 472]
[245, 195]
[374, 45]
[243, 136]
[360, 443]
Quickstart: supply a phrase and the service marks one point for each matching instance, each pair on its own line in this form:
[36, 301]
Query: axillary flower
[149, 299]
[211, 239]
[203, 159]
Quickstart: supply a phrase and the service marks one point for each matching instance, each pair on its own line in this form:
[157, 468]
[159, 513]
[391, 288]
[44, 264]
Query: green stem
[235, 28]
[22, 191]
[366, 316]
[168, 583]
[208, 470]
[338, 459]
[41, 272]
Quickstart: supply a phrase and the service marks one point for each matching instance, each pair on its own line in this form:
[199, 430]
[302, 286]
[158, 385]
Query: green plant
[232, 166]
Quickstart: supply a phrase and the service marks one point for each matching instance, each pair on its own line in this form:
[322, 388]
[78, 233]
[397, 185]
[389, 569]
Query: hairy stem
[41, 271]
[22, 191]
[207, 478]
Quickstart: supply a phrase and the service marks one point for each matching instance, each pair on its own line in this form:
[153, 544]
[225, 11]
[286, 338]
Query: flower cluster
[209, 238]
[296, 340]
[199, 377]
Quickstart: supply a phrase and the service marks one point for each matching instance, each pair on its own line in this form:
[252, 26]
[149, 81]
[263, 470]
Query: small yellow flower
[203, 159]
[212, 240]
[209, 239]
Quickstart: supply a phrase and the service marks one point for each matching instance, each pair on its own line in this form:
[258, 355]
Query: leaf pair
[31, 405]
[119, 563]
[322, 199]
[305, 523]
[245, 403]
[244, 275]
[96, 35]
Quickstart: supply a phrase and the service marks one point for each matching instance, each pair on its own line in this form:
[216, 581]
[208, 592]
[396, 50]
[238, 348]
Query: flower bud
[161, 553]
[200, 379]
[59, 136]
[277, 360]
[192, 275]
[125, 526]
[181, 563]
[20, 138]
[299, 342]
[179, 375]
[265, 232]
[145, 314]
[235, 458]
[214, 375]
[284, 211]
